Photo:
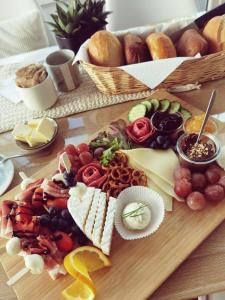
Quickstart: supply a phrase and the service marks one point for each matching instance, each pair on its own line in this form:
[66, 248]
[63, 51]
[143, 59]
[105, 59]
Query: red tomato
[82, 148]
[63, 241]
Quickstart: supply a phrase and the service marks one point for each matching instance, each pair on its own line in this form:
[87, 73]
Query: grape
[215, 169]
[45, 220]
[98, 152]
[70, 178]
[85, 157]
[160, 139]
[183, 188]
[54, 222]
[82, 239]
[66, 215]
[70, 149]
[198, 181]
[75, 230]
[54, 211]
[181, 173]
[153, 145]
[82, 148]
[62, 224]
[166, 145]
[196, 201]
[214, 193]
[212, 176]
[222, 181]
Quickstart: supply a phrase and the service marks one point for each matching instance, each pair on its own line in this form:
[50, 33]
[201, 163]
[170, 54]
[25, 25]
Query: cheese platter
[139, 266]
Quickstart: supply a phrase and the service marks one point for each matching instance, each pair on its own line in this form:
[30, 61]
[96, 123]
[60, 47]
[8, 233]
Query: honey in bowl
[193, 125]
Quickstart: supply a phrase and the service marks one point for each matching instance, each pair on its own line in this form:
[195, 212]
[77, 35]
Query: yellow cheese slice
[160, 162]
[21, 131]
[164, 186]
[33, 122]
[46, 127]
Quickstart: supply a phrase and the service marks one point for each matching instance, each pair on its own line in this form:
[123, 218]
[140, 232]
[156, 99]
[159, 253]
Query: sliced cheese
[46, 127]
[160, 162]
[108, 228]
[21, 131]
[33, 122]
[74, 205]
[99, 221]
[86, 205]
[92, 214]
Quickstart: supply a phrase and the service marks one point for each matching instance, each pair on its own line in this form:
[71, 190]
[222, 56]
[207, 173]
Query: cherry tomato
[63, 241]
[83, 148]
[196, 201]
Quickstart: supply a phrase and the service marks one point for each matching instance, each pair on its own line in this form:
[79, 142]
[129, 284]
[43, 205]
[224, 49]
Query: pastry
[135, 49]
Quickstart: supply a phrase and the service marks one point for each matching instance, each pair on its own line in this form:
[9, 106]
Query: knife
[198, 23]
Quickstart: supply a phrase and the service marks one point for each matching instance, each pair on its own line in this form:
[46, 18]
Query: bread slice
[108, 228]
[88, 228]
[99, 221]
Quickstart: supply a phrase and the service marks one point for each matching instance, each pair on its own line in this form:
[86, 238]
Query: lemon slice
[78, 291]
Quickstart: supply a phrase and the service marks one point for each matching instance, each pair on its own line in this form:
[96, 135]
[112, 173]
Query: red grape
[70, 149]
[215, 169]
[98, 152]
[214, 193]
[181, 173]
[196, 201]
[198, 181]
[212, 176]
[85, 157]
[222, 181]
[183, 188]
[83, 148]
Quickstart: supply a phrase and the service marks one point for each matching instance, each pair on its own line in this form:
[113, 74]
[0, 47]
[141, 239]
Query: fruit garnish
[78, 290]
[78, 264]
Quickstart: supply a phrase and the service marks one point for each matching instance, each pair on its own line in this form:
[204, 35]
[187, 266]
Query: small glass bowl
[213, 123]
[197, 165]
[166, 132]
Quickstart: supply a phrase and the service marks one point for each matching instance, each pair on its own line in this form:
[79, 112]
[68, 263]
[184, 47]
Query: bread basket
[113, 80]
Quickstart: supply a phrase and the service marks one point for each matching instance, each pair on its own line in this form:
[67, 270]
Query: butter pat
[21, 131]
[46, 127]
[35, 138]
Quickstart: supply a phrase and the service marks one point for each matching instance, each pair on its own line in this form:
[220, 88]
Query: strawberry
[58, 202]
[63, 241]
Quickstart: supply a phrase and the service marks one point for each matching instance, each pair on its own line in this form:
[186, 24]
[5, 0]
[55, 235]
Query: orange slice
[78, 264]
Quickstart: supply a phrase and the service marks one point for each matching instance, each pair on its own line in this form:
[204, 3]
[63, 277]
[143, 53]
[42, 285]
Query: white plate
[6, 175]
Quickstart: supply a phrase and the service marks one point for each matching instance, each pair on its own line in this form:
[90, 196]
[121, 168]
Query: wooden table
[204, 271]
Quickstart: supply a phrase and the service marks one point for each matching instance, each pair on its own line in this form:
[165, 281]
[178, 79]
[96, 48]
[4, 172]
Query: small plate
[42, 146]
[6, 175]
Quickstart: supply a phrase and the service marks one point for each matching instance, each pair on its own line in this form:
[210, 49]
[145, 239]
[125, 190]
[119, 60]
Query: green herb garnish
[134, 213]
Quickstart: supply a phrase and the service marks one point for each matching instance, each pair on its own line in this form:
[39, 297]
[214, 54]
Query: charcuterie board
[138, 267]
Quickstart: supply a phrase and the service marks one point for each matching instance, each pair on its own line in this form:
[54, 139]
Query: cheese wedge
[160, 162]
[92, 214]
[73, 205]
[86, 203]
[108, 228]
[99, 221]
[21, 131]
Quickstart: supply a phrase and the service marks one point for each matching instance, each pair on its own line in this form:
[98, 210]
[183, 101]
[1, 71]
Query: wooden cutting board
[138, 267]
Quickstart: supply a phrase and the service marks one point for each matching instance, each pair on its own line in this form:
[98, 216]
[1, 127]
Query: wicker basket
[116, 81]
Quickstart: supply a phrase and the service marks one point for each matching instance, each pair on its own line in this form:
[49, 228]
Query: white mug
[39, 97]
[64, 73]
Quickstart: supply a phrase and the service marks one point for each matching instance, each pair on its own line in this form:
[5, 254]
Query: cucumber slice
[136, 112]
[185, 113]
[174, 107]
[148, 105]
[164, 105]
[155, 104]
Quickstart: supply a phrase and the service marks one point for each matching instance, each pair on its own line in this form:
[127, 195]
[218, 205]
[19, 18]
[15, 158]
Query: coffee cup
[64, 73]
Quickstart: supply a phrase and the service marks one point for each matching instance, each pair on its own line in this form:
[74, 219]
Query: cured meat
[8, 212]
[51, 188]
[27, 194]
[92, 175]
[140, 130]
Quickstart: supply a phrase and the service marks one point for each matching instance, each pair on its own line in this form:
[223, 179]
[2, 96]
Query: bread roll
[135, 49]
[160, 46]
[105, 49]
[214, 32]
[191, 43]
